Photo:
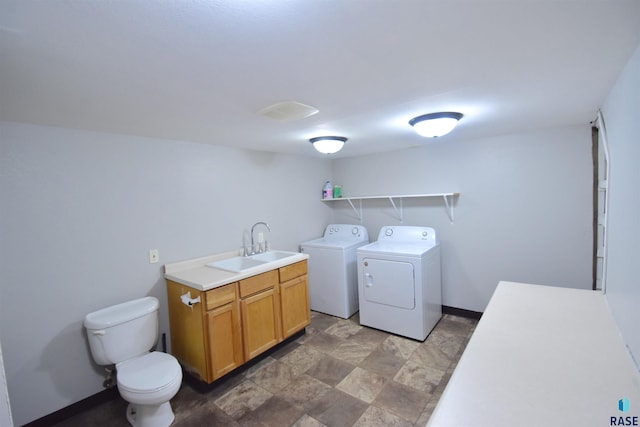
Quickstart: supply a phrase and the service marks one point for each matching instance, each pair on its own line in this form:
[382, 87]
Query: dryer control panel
[408, 234]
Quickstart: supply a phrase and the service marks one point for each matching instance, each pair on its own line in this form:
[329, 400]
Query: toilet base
[150, 415]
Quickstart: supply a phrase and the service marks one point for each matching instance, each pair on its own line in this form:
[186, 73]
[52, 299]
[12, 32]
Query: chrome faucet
[253, 248]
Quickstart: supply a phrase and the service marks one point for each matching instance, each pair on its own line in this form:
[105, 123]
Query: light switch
[154, 256]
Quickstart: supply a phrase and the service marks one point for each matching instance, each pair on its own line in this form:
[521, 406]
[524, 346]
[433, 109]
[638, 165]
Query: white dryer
[399, 281]
[333, 280]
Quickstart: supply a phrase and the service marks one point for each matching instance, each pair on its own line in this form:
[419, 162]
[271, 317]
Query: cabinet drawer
[292, 271]
[220, 296]
[254, 284]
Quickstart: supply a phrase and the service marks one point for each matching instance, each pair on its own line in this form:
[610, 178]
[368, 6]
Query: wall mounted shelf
[398, 208]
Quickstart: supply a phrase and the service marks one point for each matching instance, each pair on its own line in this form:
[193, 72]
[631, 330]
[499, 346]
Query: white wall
[524, 213]
[622, 122]
[81, 210]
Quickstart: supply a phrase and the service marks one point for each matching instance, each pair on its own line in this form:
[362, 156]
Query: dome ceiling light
[328, 144]
[435, 124]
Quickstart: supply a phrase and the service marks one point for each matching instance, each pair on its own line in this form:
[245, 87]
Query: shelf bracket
[399, 211]
[449, 205]
[357, 211]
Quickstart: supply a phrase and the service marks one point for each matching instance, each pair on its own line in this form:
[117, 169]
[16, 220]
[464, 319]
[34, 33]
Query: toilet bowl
[148, 383]
[122, 335]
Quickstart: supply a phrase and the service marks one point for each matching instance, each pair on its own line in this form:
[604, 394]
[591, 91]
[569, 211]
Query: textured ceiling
[201, 70]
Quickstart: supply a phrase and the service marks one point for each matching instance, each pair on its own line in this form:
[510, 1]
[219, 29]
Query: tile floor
[337, 374]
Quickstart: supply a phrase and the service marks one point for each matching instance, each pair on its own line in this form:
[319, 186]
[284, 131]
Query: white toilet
[123, 335]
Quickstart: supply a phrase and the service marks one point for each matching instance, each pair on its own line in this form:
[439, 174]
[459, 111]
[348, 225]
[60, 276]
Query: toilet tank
[122, 331]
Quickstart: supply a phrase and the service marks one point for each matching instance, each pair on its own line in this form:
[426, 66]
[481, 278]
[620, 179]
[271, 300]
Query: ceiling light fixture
[328, 144]
[435, 124]
[288, 110]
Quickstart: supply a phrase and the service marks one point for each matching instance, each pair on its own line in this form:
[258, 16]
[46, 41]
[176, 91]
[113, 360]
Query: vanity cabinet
[236, 322]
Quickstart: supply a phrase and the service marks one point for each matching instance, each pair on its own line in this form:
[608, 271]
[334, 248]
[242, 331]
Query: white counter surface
[541, 356]
[196, 274]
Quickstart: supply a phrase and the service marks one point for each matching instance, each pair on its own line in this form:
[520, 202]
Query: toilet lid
[148, 373]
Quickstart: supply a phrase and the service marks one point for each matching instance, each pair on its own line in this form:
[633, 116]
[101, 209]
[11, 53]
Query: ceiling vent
[288, 110]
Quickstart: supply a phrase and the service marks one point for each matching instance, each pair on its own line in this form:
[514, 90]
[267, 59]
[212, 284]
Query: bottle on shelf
[327, 190]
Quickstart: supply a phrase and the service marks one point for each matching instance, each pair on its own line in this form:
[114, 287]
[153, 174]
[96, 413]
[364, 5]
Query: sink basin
[240, 264]
[236, 264]
[272, 256]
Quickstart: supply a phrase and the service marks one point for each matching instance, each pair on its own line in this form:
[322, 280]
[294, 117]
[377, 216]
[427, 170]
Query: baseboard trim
[112, 393]
[75, 408]
[461, 312]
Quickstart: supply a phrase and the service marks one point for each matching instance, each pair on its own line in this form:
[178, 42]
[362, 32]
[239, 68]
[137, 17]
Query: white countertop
[541, 356]
[196, 274]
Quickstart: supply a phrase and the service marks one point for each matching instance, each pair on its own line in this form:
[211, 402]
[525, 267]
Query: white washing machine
[333, 280]
[399, 281]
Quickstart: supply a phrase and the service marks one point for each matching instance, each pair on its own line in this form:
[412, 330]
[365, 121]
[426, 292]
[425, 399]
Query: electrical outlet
[154, 256]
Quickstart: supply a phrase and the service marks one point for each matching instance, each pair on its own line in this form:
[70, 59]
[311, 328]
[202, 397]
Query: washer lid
[333, 243]
[148, 373]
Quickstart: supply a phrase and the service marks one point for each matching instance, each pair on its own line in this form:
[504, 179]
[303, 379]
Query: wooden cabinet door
[294, 304]
[260, 322]
[224, 340]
